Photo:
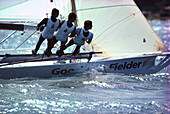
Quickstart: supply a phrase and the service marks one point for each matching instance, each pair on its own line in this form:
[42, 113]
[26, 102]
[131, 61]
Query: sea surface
[92, 93]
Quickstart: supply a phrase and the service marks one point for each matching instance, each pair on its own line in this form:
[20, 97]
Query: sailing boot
[47, 53]
[59, 53]
[34, 53]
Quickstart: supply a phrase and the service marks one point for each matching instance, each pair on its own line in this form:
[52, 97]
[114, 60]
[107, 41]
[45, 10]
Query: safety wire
[25, 40]
[8, 37]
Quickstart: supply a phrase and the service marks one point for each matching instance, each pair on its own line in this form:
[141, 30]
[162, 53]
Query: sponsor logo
[59, 71]
[126, 65]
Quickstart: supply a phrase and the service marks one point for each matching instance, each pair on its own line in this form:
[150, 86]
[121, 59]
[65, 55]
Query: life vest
[63, 32]
[80, 38]
[50, 28]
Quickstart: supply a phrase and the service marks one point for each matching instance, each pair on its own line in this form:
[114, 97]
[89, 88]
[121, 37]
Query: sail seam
[104, 7]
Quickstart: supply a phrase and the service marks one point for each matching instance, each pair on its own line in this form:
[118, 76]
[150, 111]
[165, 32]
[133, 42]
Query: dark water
[94, 93]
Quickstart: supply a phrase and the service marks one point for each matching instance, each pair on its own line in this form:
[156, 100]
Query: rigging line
[81, 15]
[106, 21]
[127, 5]
[8, 36]
[120, 27]
[79, 4]
[55, 3]
[129, 38]
[68, 8]
[109, 18]
[91, 47]
[96, 17]
[62, 6]
[25, 40]
[114, 25]
[92, 6]
[99, 12]
[20, 49]
[103, 44]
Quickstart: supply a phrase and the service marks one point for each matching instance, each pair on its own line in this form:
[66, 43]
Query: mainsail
[119, 28]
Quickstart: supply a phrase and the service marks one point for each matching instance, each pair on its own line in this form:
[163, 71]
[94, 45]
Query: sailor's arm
[89, 40]
[60, 24]
[73, 33]
[43, 22]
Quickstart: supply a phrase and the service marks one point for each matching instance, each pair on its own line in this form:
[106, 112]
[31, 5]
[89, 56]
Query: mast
[74, 10]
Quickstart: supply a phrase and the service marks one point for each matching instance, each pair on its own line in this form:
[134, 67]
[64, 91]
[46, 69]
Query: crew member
[51, 24]
[82, 35]
[66, 28]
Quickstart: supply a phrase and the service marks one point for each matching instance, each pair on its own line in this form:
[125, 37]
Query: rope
[8, 37]
[25, 40]
[113, 25]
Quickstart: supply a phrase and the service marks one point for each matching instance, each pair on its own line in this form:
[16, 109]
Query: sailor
[82, 35]
[66, 28]
[51, 25]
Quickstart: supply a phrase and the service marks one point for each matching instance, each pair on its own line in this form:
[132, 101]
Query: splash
[97, 70]
[105, 85]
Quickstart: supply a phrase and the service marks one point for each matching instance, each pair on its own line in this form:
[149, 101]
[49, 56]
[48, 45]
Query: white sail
[119, 27]
[34, 10]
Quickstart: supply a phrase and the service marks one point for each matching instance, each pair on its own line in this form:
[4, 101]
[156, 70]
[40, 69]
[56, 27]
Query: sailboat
[123, 42]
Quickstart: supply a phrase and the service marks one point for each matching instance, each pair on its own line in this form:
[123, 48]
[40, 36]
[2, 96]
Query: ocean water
[92, 93]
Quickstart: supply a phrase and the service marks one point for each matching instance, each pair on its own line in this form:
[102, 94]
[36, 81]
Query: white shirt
[50, 28]
[63, 32]
[80, 38]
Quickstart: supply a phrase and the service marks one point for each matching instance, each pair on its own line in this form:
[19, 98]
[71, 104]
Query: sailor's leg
[49, 45]
[63, 47]
[71, 42]
[62, 44]
[52, 43]
[77, 50]
[41, 39]
[48, 49]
